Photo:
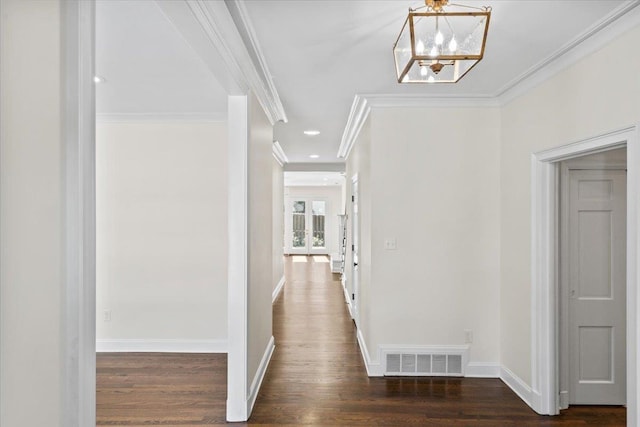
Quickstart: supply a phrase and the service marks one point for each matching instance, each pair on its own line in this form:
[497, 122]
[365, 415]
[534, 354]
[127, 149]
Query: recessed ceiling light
[98, 79]
[314, 156]
[312, 132]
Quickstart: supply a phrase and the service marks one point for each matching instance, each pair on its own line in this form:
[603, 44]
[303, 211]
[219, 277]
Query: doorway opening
[592, 279]
[162, 195]
[313, 202]
[545, 384]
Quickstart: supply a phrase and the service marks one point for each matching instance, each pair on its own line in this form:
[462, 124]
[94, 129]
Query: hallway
[316, 377]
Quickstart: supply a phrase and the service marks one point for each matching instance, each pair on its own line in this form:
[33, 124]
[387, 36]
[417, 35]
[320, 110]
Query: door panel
[594, 255]
[597, 286]
[299, 226]
[595, 348]
[318, 226]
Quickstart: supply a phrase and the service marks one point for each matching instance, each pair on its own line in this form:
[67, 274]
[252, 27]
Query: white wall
[31, 208]
[435, 188]
[453, 187]
[260, 237]
[333, 196]
[278, 222]
[575, 104]
[162, 233]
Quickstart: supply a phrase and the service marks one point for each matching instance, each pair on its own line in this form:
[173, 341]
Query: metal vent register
[422, 364]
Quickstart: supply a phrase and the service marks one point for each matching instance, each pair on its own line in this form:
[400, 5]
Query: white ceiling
[313, 179]
[150, 70]
[321, 53]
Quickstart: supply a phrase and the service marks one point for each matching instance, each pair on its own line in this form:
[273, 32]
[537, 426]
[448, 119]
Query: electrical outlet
[106, 315]
[468, 336]
[390, 244]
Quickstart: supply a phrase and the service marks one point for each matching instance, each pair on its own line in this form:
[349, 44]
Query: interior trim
[277, 290]
[610, 26]
[544, 361]
[161, 346]
[161, 117]
[211, 31]
[516, 384]
[259, 377]
[78, 306]
[360, 110]
[245, 27]
[614, 24]
[279, 154]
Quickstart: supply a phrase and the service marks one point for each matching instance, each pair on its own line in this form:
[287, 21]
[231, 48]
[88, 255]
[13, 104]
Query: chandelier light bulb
[420, 47]
[434, 51]
[453, 45]
[439, 38]
[423, 71]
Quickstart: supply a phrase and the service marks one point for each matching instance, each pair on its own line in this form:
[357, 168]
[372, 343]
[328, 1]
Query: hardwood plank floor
[316, 377]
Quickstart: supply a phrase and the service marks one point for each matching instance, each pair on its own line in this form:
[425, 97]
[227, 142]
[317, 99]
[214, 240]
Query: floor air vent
[422, 364]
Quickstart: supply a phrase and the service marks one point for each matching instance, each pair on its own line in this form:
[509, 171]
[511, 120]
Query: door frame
[78, 314]
[355, 241]
[544, 266]
[288, 225]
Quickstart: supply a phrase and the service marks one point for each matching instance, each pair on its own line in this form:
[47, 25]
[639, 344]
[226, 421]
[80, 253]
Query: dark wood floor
[316, 377]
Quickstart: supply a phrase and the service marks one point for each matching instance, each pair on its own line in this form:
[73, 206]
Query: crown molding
[360, 110]
[429, 101]
[617, 22]
[209, 28]
[161, 118]
[362, 105]
[248, 34]
[216, 21]
[278, 153]
[611, 26]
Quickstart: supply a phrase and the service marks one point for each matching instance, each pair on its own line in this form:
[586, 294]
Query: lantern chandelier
[438, 46]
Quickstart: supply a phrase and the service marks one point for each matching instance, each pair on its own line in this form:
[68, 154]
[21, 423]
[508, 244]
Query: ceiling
[313, 179]
[149, 69]
[320, 53]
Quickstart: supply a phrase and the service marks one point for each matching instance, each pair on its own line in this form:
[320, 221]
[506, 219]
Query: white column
[79, 301]
[238, 131]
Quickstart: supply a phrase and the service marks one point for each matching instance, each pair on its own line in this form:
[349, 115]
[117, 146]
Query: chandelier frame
[440, 59]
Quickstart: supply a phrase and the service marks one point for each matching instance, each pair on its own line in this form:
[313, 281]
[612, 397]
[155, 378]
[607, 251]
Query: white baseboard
[257, 379]
[373, 369]
[277, 290]
[482, 370]
[347, 299]
[473, 369]
[160, 346]
[516, 384]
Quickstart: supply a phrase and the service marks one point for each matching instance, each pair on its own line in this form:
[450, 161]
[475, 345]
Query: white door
[306, 226]
[355, 233]
[596, 272]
